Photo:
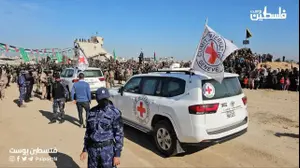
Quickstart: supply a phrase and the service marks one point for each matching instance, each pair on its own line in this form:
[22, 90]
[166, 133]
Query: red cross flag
[212, 50]
[83, 63]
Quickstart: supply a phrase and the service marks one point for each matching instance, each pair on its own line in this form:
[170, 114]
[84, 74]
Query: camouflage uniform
[15, 76]
[36, 80]
[43, 85]
[111, 78]
[8, 72]
[126, 74]
[3, 83]
[104, 136]
[121, 75]
[59, 104]
[50, 82]
[106, 75]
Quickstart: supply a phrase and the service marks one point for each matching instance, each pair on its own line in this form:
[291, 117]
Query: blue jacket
[81, 92]
[105, 124]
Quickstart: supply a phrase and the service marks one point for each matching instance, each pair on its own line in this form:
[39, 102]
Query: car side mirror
[121, 90]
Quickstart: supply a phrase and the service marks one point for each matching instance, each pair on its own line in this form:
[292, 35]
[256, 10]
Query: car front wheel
[165, 138]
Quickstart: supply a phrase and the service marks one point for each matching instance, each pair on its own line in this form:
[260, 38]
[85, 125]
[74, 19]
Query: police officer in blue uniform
[22, 88]
[29, 84]
[103, 141]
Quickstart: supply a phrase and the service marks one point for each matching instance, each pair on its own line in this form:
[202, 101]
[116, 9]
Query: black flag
[248, 34]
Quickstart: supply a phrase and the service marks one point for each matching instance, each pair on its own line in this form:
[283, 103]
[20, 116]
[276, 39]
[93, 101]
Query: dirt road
[272, 139]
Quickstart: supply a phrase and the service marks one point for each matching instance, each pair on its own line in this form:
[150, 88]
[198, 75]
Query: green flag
[59, 57]
[115, 57]
[2, 46]
[24, 55]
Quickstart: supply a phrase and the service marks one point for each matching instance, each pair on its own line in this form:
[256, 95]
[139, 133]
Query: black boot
[22, 106]
[52, 121]
[82, 126]
[62, 121]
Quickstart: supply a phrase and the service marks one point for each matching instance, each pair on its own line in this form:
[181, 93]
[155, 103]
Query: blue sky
[168, 27]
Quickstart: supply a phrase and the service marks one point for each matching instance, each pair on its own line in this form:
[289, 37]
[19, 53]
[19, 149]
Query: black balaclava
[103, 103]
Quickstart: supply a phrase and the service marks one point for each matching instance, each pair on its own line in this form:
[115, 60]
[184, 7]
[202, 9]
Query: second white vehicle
[93, 76]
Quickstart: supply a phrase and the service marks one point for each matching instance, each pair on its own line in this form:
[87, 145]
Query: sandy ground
[272, 139]
[280, 65]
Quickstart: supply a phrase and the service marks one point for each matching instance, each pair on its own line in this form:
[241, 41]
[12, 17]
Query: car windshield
[92, 73]
[228, 88]
[64, 73]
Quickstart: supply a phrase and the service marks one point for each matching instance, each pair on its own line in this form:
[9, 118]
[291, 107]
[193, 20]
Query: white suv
[93, 76]
[180, 108]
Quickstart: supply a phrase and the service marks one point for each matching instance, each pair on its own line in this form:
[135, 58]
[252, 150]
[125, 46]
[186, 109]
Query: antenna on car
[190, 76]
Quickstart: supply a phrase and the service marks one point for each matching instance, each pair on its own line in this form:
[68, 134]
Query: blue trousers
[22, 94]
[101, 157]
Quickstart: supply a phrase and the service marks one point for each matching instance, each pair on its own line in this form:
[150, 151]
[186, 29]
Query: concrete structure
[93, 48]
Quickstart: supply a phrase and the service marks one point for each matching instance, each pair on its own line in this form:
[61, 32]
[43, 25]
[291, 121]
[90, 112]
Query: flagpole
[246, 34]
[195, 55]
[245, 45]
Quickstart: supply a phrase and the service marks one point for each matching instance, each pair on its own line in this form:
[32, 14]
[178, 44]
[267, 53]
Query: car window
[70, 73]
[149, 86]
[229, 87]
[133, 86]
[173, 87]
[63, 73]
[92, 73]
[159, 87]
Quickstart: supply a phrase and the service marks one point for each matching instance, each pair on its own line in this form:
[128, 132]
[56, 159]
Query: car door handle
[153, 102]
[132, 98]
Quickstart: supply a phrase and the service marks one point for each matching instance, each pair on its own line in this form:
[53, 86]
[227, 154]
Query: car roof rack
[186, 71]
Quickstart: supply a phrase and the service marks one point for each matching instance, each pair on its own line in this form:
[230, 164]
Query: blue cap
[102, 93]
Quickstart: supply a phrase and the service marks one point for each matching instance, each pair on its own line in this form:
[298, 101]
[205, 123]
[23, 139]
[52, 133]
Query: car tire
[170, 138]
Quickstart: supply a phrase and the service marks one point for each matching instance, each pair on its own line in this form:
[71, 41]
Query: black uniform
[59, 92]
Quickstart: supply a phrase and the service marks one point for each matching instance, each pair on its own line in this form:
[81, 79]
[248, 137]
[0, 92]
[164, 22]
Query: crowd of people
[252, 76]
[46, 77]
[242, 62]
